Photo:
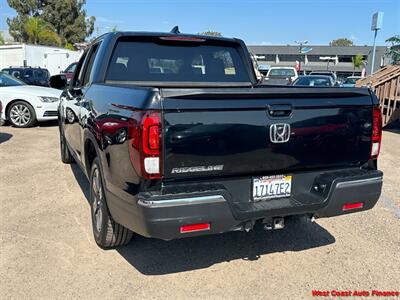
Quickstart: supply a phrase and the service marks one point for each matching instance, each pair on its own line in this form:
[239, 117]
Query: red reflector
[349, 206]
[195, 227]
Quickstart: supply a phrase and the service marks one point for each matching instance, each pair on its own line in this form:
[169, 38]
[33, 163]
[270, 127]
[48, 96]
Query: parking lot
[47, 249]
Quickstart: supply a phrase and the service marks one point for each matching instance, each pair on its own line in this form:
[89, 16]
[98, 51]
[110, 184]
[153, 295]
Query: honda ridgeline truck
[179, 139]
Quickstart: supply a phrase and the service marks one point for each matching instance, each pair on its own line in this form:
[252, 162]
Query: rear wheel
[21, 114]
[107, 233]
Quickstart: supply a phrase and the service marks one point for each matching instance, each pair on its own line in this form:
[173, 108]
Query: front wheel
[107, 233]
[66, 156]
[21, 114]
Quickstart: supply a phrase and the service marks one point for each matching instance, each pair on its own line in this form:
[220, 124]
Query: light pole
[377, 19]
[301, 51]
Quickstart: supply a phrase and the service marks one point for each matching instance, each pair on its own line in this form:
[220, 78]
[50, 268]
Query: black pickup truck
[178, 139]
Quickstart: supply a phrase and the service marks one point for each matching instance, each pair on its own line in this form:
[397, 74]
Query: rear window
[281, 72]
[350, 80]
[313, 81]
[172, 61]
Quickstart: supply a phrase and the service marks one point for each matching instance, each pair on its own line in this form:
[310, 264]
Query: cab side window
[76, 81]
[89, 64]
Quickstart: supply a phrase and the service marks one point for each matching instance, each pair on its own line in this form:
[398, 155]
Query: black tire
[66, 156]
[107, 233]
[22, 105]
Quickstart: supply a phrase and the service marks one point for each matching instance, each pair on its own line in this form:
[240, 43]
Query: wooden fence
[386, 85]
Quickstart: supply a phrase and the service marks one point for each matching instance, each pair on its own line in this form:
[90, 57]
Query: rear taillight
[151, 134]
[376, 132]
[146, 144]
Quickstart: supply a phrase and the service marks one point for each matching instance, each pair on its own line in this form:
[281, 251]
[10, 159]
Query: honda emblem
[279, 133]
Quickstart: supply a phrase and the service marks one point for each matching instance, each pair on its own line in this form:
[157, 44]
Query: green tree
[2, 42]
[341, 42]
[16, 28]
[69, 46]
[24, 9]
[67, 17]
[211, 33]
[357, 61]
[69, 20]
[49, 38]
[394, 51]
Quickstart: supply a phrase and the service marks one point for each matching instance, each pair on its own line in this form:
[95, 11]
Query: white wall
[11, 56]
[52, 58]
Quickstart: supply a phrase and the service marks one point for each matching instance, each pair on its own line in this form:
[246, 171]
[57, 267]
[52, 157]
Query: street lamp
[302, 50]
[377, 19]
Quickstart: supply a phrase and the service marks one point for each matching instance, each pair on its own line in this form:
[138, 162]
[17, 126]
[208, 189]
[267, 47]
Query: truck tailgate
[262, 131]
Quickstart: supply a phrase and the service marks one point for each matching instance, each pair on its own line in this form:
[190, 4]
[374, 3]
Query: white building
[52, 58]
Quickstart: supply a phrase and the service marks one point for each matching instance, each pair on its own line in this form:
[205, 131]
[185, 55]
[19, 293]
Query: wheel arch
[90, 151]
[8, 105]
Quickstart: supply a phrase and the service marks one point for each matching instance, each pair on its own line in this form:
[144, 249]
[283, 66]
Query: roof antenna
[175, 30]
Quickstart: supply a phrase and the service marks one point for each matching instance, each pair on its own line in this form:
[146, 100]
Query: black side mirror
[58, 82]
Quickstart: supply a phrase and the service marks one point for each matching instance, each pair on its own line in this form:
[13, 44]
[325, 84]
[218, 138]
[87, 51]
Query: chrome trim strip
[182, 201]
[360, 182]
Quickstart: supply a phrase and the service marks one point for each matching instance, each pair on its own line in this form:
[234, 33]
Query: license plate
[270, 187]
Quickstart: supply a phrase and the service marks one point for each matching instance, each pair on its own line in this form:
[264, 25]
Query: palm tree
[357, 61]
[40, 32]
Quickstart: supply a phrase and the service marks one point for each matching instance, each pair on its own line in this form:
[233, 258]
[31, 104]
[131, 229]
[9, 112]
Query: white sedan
[23, 104]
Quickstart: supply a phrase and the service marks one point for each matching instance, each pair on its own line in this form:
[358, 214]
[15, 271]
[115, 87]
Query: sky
[257, 22]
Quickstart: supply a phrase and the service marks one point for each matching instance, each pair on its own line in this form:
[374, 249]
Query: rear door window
[172, 61]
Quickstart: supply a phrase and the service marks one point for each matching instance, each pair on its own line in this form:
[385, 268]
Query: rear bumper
[162, 216]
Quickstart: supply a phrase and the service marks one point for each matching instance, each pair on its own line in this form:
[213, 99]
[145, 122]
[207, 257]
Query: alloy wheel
[97, 200]
[20, 115]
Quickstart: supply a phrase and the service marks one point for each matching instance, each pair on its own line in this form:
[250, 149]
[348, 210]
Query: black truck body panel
[222, 131]
[327, 154]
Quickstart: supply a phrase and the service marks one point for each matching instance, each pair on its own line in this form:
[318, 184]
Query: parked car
[351, 81]
[314, 80]
[325, 73]
[69, 71]
[188, 153]
[24, 104]
[29, 75]
[280, 76]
